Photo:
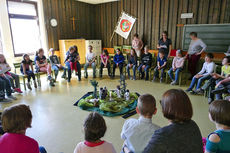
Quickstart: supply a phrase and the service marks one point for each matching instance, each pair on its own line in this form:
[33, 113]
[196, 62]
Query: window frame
[21, 16]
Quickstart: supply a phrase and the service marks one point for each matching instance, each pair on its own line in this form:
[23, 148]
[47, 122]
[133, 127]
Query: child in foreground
[138, 132]
[219, 140]
[15, 121]
[94, 130]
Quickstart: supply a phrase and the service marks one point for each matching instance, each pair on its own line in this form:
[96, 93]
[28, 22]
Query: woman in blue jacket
[118, 61]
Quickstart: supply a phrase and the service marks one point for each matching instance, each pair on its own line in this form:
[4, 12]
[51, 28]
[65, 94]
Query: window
[1, 47]
[24, 24]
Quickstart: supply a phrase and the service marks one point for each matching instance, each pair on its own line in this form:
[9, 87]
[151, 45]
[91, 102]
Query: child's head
[193, 35]
[209, 57]
[146, 105]
[176, 105]
[105, 52]
[118, 51]
[179, 53]
[2, 59]
[94, 127]
[40, 52]
[71, 50]
[219, 112]
[16, 119]
[132, 52]
[52, 51]
[26, 57]
[75, 48]
[146, 49]
[164, 34]
[135, 36]
[90, 48]
[226, 60]
[161, 53]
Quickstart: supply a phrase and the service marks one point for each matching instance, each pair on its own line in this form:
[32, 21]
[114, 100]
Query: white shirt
[90, 56]
[137, 133]
[207, 68]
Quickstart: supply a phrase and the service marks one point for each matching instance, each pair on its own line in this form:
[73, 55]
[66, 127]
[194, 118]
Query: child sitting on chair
[28, 70]
[205, 74]
[94, 130]
[146, 62]
[15, 121]
[132, 64]
[161, 64]
[12, 77]
[177, 67]
[118, 61]
[138, 132]
[90, 61]
[43, 66]
[105, 62]
[219, 140]
[5, 87]
[72, 58]
[56, 65]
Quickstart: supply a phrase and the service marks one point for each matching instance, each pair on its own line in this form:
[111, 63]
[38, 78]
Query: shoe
[35, 84]
[5, 100]
[52, 83]
[28, 86]
[193, 92]
[134, 78]
[12, 97]
[188, 90]
[200, 91]
[68, 80]
[173, 83]
[63, 76]
[161, 80]
[219, 90]
[154, 78]
[130, 78]
[79, 79]
[18, 90]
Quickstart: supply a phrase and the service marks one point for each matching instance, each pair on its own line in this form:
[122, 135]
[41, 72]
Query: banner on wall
[125, 25]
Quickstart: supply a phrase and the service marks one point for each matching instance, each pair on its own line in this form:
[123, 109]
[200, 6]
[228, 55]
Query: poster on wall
[125, 25]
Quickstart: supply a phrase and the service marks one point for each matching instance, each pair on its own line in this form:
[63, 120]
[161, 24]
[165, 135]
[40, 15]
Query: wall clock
[53, 22]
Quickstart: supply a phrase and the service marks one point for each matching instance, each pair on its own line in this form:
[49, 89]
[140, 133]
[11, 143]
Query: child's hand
[174, 69]
[143, 67]
[159, 68]
[218, 84]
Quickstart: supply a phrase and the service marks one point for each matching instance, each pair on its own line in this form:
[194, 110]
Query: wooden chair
[126, 49]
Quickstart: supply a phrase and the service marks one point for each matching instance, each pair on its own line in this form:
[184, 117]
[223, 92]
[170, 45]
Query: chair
[126, 49]
[97, 63]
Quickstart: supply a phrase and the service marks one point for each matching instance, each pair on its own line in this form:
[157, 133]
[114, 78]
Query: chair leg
[180, 78]
[24, 83]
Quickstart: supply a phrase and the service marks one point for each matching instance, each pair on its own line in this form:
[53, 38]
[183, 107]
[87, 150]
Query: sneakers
[154, 78]
[130, 78]
[200, 91]
[63, 76]
[17, 90]
[173, 83]
[52, 83]
[161, 80]
[12, 97]
[188, 90]
[29, 86]
[5, 100]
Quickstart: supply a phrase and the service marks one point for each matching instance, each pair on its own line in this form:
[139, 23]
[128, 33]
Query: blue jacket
[118, 59]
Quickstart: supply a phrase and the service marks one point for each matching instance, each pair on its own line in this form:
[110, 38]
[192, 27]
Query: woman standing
[182, 134]
[196, 48]
[165, 43]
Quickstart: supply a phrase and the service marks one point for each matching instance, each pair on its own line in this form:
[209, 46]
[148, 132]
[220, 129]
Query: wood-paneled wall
[63, 11]
[155, 16]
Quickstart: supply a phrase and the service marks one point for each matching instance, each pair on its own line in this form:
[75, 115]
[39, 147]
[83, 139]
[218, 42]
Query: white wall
[6, 33]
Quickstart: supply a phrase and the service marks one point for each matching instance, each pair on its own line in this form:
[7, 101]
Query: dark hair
[4, 58]
[90, 46]
[176, 105]
[135, 54]
[165, 32]
[120, 51]
[106, 52]
[228, 58]
[146, 46]
[193, 34]
[75, 48]
[136, 35]
[16, 118]
[24, 56]
[219, 112]
[39, 51]
[210, 55]
[94, 127]
[146, 105]
[71, 48]
[161, 51]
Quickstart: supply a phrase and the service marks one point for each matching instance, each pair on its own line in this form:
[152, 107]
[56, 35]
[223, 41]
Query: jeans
[156, 72]
[56, 70]
[101, 69]
[198, 82]
[67, 64]
[177, 71]
[120, 65]
[146, 71]
[7, 86]
[134, 71]
[2, 89]
[14, 80]
[226, 85]
[93, 66]
[29, 74]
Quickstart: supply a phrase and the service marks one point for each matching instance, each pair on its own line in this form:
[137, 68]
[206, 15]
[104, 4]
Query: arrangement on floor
[109, 103]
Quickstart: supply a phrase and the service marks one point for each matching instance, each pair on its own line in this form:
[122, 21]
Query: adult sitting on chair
[90, 61]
